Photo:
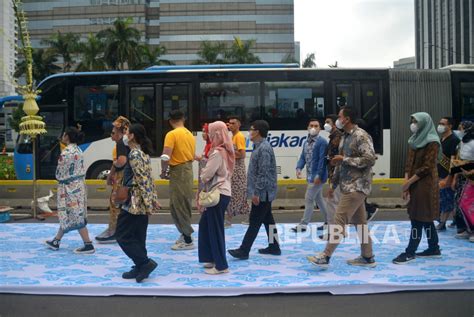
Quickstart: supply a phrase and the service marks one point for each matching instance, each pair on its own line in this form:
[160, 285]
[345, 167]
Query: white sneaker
[471, 238]
[181, 246]
[215, 271]
[180, 239]
[208, 265]
[462, 235]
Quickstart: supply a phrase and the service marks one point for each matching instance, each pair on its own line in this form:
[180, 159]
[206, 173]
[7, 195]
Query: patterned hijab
[221, 141]
[426, 132]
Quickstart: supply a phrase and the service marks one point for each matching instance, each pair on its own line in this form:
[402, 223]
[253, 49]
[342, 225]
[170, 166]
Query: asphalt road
[423, 303]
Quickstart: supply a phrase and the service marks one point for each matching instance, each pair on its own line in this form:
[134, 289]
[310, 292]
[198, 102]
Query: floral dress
[72, 194]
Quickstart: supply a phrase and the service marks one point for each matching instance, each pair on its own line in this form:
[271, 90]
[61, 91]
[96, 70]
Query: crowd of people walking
[439, 182]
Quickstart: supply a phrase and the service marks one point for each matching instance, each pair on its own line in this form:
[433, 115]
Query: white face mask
[414, 128]
[327, 127]
[313, 131]
[339, 124]
[441, 129]
[125, 140]
[460, 134]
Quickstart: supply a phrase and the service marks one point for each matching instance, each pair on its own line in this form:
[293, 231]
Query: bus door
[48, 145]
[151, 103]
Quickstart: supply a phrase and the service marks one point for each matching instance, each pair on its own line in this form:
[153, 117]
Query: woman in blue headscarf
[421, 187]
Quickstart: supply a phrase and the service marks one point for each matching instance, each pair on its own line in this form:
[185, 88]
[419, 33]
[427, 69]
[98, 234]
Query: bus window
[142, 109]
[344, 95]
[175, 97]
[221, 100]
[95, 108]
[370, 112]
[467, 101]
[289, 105]
[49, 147]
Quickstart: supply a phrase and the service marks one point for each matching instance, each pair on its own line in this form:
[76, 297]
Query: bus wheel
[100, 171]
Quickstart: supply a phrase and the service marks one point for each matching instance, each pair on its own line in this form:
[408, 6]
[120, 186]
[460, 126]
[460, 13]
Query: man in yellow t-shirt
[178, 153]
[238, 202]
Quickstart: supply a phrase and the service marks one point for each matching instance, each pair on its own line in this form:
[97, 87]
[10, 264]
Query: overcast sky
[356, 33]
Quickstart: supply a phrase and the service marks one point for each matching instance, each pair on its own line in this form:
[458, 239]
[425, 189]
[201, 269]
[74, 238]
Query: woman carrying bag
[140, 200]
[216, 177]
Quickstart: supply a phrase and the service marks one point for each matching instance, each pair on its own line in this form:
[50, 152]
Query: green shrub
[7, 171]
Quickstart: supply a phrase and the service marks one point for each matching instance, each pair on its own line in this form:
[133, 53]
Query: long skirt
[238, 203]
[72, 205]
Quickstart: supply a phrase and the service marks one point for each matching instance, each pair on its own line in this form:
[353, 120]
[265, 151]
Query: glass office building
[178, 25]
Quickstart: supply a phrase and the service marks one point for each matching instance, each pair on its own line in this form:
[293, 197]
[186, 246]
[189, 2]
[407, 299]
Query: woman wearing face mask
[421, 187]
[132, 222]
[464, 161]
[217, 173]
[72, 198]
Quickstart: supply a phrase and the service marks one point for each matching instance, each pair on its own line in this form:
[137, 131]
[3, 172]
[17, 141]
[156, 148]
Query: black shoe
[403, 258]
[270, 250]
[104, 240]
[145, 270]
[322, 227]
[88, 248]
[436, 253]
[53, 244]
[299, 228]
[133, 273]
[238, 254]
[441, 226]
[324, 237]
[371, 214]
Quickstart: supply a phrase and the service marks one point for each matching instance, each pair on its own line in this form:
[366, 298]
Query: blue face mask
[459, 134]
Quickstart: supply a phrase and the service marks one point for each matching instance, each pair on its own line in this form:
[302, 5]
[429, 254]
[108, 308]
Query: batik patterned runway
[28, 267]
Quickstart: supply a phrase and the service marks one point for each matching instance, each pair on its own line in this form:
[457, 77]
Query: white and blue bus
[284, 95]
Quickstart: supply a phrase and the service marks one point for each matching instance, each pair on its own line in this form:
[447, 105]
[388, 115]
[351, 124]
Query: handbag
[121, 195]
[211, 197]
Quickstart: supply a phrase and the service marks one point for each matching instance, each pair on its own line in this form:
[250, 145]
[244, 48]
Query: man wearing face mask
[449, 143]
[354, 176]
[314, 157]
[116, 175]
[334, 192]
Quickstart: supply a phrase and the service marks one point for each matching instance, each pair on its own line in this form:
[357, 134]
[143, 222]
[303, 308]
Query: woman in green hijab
[421, 187]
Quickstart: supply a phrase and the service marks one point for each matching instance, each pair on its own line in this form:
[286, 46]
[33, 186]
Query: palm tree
[239, 52]
[151, 56]
[309, 61]
[289, 59]
[122, 42]
[211, 53]
[44, 64]
[92, 55]
[64, 45]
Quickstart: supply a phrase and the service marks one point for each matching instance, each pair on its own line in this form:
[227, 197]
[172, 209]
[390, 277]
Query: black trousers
[416, 234]
[131, 236]
[261, 214]
[211, 235]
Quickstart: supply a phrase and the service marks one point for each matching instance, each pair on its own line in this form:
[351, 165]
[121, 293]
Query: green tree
[65, 46]
[240, 52]
[309, 61]
[211, 53]
[121, 44]
[151, 56]
[289, 59]
[92, 55]
[15, 118]
[44, 64]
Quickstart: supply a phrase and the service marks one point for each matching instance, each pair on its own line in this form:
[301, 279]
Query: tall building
[405, 63]
[7, 48]
[444, 31]
[178, 25]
